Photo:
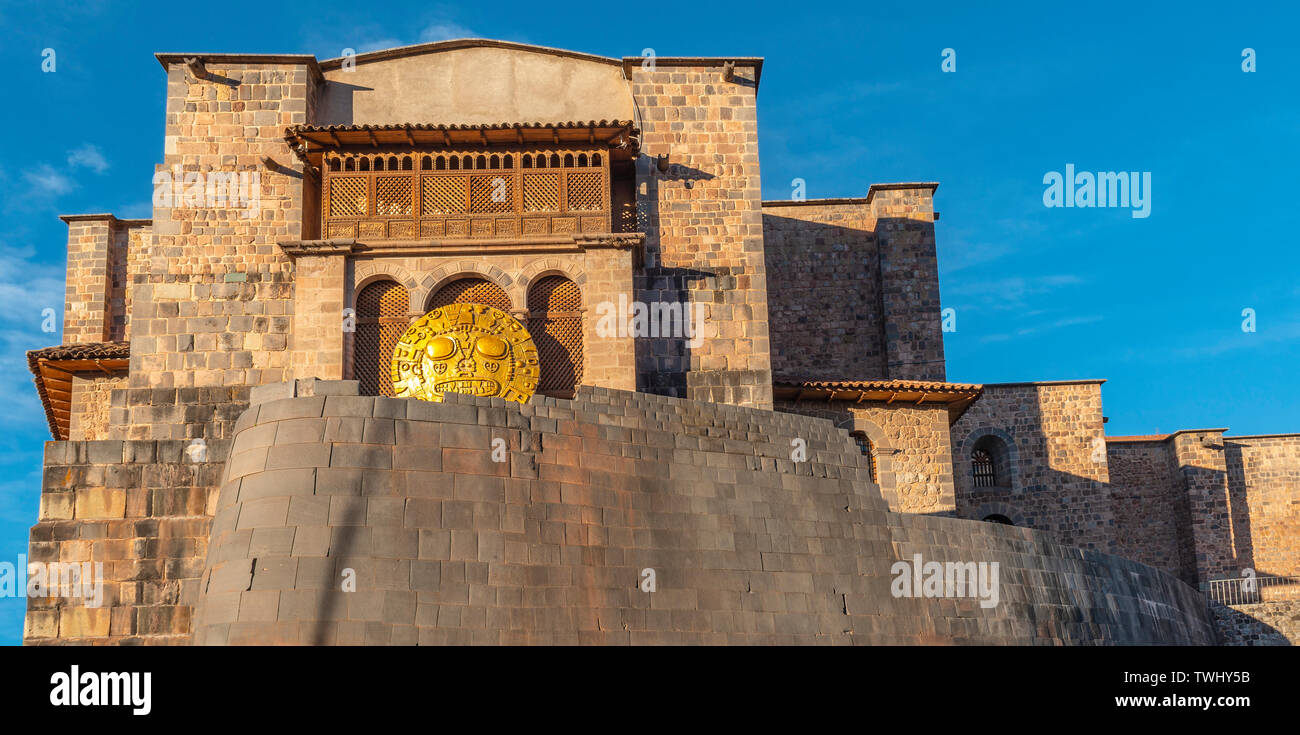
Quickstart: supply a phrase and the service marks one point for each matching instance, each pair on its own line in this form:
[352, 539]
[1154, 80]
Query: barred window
[382, 319]
[982, 469]
[990, 461]
[868, 450]
[555, 321]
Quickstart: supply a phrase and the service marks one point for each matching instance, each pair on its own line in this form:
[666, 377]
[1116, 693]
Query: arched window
[555, 321]
[998, 518]
[868, 450]
[382, 319]
[470, 291]
[989, 461]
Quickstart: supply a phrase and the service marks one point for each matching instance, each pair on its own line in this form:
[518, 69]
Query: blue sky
[850, 96]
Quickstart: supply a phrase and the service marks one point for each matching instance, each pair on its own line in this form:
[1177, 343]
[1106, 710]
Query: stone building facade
[723, 379]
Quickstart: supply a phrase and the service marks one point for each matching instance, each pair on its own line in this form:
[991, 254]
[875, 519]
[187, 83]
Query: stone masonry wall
[1264, 490]
[210, 290]
[1259, 624]
[91, 394]
[909, 280]
[97, 304]
[1057, 460]
[704, 231]
[824, 291]
[142, 509]
[1206, 506]
[447, 545]
[1152, 521]
[911, 445]
[854, 286]
[1201, 463]
[175, 413]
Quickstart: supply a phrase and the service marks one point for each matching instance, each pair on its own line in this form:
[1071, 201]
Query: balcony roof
[53, 368]
[614, 133]
[957, 396]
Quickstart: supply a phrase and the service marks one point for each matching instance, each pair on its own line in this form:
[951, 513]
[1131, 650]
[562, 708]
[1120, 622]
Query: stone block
[93, 503]
[260, 394]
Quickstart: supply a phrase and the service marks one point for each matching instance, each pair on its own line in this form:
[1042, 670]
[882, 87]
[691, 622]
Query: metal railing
[1251, 588]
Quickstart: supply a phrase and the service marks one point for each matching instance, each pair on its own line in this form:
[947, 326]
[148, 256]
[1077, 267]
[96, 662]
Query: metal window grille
[382, 318]
[982, 469]
[555, 321]
[868, 450]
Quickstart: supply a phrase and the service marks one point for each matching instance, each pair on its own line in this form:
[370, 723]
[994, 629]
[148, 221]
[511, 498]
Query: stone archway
[450, 272]
[1005, 510]
[1009, 459]
[882, 446]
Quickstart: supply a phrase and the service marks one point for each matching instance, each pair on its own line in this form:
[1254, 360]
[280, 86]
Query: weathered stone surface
[743, 543]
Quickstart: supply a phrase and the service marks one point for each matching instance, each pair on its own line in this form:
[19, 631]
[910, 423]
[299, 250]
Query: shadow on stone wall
[663, 362]
[823, 279]
[1261, 624]
[552, 546]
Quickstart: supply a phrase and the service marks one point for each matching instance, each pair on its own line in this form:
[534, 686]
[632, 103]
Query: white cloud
[1042, 328]
[383, 43]
[445, 31]
[29, 287]
[372, 37]
[45, 181]
[1287, 333]
[1012, 292]
[88, 156]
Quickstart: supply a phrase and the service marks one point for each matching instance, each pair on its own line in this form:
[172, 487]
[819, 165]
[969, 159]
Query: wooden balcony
[466, 194]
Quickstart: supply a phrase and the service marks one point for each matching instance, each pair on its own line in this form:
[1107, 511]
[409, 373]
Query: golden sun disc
[465, 348]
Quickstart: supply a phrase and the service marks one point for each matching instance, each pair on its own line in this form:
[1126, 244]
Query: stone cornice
[929, 186]
[297, 248]
[499, 245]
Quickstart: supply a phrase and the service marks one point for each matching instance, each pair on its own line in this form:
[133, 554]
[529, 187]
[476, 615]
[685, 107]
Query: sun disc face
[465, 348]
[440, 348]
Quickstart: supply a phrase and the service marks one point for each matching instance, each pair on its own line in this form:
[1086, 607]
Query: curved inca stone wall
[617, 518]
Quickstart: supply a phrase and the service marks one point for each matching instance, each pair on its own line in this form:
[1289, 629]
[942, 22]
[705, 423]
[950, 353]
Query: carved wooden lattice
[555, 321]
[505, 192]
[348, 198]
[393, 195]
[491, 194]
[470, 291]
[443, 195]
[541, 192]
[382, 319]
[586, 191]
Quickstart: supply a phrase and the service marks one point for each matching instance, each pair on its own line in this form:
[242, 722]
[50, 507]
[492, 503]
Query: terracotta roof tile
[84, 351]
[52, 364]
[914, 386]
